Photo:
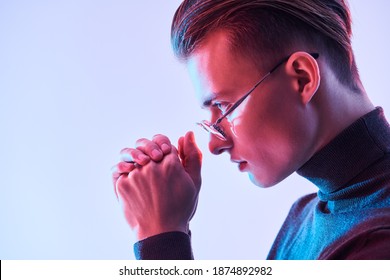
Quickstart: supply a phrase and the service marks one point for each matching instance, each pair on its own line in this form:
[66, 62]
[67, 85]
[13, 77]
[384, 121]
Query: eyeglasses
[214, 128]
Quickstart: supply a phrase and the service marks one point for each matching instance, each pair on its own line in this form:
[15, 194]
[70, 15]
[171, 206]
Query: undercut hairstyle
[267, 30]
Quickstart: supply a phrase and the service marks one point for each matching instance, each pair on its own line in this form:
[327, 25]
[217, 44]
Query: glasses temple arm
[314, 55]
[239, 101]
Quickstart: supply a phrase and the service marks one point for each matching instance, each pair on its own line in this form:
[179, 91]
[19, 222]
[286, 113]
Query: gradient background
[79, 81]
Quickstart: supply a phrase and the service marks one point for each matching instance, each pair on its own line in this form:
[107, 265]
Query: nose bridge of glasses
[213, 129]
[220, 133]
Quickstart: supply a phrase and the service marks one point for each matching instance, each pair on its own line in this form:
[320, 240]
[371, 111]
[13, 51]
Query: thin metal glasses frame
[214, 128]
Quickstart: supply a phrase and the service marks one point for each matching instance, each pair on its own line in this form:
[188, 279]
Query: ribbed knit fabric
[166, 246]
[349, 218]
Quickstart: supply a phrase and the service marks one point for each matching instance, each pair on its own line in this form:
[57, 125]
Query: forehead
[218, 71]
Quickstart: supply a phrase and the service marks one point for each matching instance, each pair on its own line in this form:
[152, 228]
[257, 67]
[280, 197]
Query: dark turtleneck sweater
[349, 217]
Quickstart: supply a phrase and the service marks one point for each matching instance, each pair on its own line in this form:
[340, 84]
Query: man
[280, 81]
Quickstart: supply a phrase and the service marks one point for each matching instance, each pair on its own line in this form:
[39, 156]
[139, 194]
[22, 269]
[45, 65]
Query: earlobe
[305, 72]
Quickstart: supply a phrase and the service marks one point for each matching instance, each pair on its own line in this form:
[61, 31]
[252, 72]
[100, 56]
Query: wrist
[146, 233]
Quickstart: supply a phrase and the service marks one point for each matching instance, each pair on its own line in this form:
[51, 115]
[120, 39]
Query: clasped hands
[157, 184]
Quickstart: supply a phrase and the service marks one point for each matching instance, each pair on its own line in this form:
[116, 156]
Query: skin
[294, 113]
[159, 193]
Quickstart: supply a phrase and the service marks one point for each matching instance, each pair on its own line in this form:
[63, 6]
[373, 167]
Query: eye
[223, 107]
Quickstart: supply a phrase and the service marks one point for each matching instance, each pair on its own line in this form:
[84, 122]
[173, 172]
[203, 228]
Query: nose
[218, 146]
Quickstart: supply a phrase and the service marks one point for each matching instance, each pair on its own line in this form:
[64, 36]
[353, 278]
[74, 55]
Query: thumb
[191, 157]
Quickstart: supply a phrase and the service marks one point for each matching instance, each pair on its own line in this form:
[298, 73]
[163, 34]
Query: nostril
[220, 152]
[218, 146]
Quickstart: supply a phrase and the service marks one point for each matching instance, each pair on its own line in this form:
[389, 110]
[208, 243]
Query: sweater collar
[347, 155]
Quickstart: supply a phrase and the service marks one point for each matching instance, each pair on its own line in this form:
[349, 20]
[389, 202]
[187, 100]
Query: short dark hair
[272, 28]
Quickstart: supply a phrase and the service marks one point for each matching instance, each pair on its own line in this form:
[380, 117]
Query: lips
[242, 165]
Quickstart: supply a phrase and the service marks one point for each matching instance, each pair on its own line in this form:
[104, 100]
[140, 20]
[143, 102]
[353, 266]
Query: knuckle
[141, 142]
[171, 160]
[145, 144]
[135, 152]
[116, 177]
[148, 148]
[122, 185]
[160, 138]
[122, 166]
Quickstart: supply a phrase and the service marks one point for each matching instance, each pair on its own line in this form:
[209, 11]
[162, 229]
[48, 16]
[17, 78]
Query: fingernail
[143, 157]
[127, 158]
[156, 153]
[192, 137]
[165, 148]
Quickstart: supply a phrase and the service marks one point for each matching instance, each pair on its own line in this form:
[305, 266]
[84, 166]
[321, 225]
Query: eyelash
[222, 107]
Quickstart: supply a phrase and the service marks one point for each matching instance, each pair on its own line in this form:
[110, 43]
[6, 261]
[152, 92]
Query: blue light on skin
[196, 80]
[254, 181]
[204, 92]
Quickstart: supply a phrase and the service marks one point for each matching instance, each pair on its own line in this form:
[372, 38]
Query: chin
[260, 183]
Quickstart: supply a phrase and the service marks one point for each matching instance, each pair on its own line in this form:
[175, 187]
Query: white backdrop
[80, 80]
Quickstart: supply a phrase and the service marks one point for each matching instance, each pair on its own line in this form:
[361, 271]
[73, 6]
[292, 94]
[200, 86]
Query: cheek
[266, 149]
[245, 131]
[273, 142]
[271, 124]
[256, 127]
[245, 121]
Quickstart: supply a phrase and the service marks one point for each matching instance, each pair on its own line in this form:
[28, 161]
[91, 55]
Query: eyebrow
[208, 100]
[207, 103]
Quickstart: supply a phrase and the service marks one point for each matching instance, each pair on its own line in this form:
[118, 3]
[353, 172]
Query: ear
[305, 73]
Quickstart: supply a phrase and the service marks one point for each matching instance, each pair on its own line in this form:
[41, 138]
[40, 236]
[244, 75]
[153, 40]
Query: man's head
[229, 45]
[266, 29]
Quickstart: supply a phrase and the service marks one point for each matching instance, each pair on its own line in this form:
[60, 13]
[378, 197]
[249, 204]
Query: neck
[338, 107]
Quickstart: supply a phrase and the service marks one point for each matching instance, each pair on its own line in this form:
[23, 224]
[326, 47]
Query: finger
[174, 151]
[163, 142]
[134, 155]
[121, 186]
[125, 167]
[150, 148]
[192, 158]
[180, 147]
[121, 169]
